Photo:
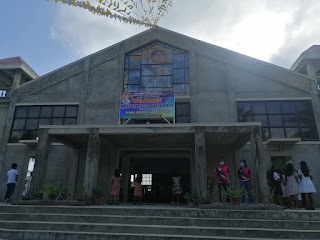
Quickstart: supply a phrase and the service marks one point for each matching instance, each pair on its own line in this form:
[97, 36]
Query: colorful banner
[147, 105]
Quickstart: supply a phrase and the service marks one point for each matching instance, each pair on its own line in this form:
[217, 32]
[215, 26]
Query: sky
[48, 35]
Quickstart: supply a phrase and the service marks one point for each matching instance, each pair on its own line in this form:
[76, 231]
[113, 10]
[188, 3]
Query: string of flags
[138, 12]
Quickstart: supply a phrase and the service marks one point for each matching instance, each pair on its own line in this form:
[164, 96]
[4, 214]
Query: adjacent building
[226, 105]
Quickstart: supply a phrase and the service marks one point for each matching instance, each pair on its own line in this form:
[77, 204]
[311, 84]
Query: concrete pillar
[92, 162]
[200, 164]
[258, 163]
[73, 173]
[16, 79]
[125, 177]
[39, 173]
[193, 188]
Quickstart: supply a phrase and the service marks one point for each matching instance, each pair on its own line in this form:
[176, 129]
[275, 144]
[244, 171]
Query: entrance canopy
[155, 136]
[193, 136]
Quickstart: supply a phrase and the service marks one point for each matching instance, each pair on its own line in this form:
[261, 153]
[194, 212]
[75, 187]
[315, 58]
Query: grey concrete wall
[67, 90]
[3, 117]
[251, 85]
[211, 91]
[102, 93]
[17, 153]
[60, 166]
[80, 171]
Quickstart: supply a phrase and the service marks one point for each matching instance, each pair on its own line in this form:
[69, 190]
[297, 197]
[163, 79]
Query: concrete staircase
[153, 222]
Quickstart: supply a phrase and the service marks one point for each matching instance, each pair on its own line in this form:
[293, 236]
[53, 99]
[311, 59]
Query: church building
[79, 123]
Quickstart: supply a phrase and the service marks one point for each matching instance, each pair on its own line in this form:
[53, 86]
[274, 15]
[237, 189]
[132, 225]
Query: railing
[4, 93]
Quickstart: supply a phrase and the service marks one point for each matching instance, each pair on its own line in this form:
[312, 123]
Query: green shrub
[235, 192]
[52, 191]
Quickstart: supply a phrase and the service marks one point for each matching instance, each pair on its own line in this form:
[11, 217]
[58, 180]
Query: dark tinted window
[280, 119]
[183, 113]
[28, 118]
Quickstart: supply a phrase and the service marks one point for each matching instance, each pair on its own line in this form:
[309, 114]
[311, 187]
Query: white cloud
[270, 30]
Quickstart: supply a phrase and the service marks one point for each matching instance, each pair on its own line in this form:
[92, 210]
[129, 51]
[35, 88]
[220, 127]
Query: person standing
[292, 187]
[223, 177]
[306, 186]
[27, 185]
[115, 187]
[11, 183]
[244, 175]
[176, 189]
[138, 188]
[276, 179]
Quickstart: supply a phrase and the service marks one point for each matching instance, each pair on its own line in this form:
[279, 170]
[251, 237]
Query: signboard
[147, 105]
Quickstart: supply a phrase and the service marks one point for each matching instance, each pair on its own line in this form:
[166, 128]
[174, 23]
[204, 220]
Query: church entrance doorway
[157, 179]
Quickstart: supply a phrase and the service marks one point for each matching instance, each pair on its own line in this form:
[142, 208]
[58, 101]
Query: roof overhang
[154, 136]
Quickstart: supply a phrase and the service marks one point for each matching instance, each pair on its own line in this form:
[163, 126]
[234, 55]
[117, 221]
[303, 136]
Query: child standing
[138, 188]
[115, 187]
[176, 189]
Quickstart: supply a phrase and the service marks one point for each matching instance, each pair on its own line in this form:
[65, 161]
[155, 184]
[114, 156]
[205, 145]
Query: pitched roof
[17, 60]
[312, 52]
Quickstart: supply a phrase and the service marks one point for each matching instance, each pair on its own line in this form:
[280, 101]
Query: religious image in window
[158, 72]
[126, 98]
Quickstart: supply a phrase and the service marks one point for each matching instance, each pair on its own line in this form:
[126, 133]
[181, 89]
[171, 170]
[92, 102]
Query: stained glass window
[280, 119]
[157, 67]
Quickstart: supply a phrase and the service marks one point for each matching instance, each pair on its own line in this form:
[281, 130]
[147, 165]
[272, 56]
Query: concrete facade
[85, 155]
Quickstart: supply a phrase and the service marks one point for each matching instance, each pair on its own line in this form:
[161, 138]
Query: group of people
[293, 188]
[290, 187]
[115, 188]
[222, 172]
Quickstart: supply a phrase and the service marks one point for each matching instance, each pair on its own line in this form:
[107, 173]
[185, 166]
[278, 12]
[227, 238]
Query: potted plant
[52, 191]
[235, 193]
[82, 194]
[191, 199]
[97, 196]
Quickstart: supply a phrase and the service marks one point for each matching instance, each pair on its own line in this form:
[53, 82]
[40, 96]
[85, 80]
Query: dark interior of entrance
[157, 176]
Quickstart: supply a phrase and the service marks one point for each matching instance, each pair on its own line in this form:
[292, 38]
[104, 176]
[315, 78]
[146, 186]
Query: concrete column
[92, 162]
[125, 177]
[16, 79]
[41, 163]
[200, 164]
[193, 188]
[258, 163]
[73, 173]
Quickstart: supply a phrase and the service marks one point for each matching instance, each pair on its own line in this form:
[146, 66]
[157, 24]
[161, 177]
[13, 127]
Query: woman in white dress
[292, 187]
[27, 185]
[306, 186]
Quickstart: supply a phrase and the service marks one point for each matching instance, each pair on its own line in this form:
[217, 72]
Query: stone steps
[166, 212]
[153, 222]
[63, 235]
[161, 229]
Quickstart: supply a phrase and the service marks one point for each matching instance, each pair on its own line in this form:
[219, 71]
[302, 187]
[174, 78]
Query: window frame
[283, 114]
[126, 86]
[25, 131]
